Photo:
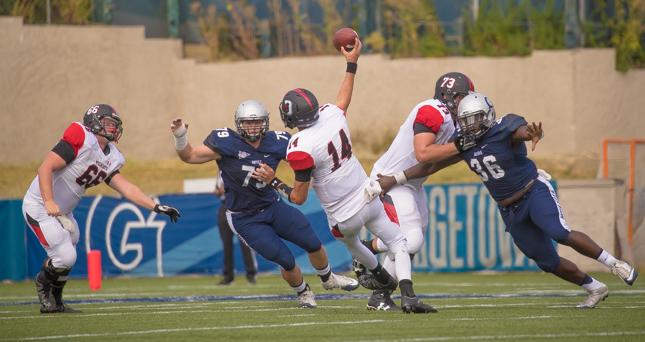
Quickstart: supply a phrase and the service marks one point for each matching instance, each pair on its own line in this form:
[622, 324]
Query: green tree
[412, 29]
[74, 12]
[621, 26]
[547, 27]
[499, 29]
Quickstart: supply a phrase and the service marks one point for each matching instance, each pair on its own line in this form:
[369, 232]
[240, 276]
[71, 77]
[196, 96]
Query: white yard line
[514, 337]
[175, 330]
[503, 318]
[170, 311]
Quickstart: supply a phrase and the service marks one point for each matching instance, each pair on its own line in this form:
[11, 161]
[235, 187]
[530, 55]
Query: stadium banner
[465, 233]
[12, 243]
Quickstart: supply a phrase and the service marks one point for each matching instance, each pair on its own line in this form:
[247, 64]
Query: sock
[324, 273]
[607, 259]
[380, 274]
[368, 244]
[406, 288]
[301, 288]
[592, 285]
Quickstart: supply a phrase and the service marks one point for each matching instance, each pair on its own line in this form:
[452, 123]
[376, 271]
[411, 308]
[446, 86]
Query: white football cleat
[337, 281]
[307, 299]
[625, 272]
[595, 297]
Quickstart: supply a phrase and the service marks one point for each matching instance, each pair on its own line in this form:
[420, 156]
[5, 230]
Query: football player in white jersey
[321, 153]
[85, 156]
[429, 124]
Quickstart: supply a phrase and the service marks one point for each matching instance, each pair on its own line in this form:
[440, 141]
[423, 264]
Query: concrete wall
[591, 206]
[51, 74]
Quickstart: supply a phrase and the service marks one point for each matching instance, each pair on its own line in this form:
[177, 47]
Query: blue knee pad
[549, 264]
[280, 255]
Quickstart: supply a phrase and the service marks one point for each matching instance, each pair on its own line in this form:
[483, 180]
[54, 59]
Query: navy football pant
[264, 229]
[534, 221]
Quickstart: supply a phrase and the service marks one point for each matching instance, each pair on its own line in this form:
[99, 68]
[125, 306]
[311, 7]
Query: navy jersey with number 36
[239, 159]
[501, 163]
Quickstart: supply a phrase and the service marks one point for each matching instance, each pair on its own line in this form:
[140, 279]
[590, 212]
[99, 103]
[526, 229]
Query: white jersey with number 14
[338, 177]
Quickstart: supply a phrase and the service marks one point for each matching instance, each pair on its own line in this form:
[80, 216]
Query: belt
[517, 196]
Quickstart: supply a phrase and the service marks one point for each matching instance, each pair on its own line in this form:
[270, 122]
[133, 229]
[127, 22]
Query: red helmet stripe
[304, 95]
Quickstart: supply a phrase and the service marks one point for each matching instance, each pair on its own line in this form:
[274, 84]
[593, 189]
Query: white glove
[371, 190]
[67, 224]
[544, 174]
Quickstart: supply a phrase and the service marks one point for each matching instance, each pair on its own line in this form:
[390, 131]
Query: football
[345, 37]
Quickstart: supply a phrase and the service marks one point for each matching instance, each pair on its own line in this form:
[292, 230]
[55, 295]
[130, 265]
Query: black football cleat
[414, 305]
[381, 300]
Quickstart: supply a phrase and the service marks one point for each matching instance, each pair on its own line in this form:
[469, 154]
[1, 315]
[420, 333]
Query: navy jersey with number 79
[239, 159]
[500, 162]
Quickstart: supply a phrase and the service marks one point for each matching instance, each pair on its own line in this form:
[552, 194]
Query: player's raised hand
[352, 56]
[52, 208]
[263, 173]
[535, 132]
[178, 127]
[386, 182]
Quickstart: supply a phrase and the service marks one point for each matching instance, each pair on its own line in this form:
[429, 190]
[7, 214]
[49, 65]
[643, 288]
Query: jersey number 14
[345, 150]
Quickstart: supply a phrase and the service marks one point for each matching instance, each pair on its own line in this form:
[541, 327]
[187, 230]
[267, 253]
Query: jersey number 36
[490, 162]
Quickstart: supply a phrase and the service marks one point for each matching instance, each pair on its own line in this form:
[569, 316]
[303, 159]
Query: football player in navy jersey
[255, 211]
[528, 204]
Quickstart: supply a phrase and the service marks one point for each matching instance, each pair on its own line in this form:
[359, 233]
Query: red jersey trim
[300, 160]
[430, 117]
[75, 136]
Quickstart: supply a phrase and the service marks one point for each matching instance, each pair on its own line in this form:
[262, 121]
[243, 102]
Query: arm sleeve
[65, 150]
[214, 142]
[300, 160]
[511, 122]
[428, 119]
[74, 136]
[304, 175]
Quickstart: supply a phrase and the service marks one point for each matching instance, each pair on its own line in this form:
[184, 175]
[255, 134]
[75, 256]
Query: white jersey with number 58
[338, 177]
[87, 166]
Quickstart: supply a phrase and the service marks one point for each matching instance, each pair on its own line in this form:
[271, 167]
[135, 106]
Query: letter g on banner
[113, 226]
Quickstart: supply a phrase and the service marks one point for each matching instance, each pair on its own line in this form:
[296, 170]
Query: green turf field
[514, 306]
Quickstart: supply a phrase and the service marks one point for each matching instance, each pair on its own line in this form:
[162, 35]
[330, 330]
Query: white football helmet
[476, 115]
[252, 110]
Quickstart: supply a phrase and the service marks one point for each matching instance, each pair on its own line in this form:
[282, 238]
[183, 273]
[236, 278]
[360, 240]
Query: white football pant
[373, 216]
[59, 243]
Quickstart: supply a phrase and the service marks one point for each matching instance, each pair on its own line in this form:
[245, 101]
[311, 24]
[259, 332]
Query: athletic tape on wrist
[400, 177]
[181, 138]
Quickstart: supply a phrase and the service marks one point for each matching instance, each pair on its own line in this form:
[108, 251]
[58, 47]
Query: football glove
[173, 213]
[372, 189]
[67, 224]
[463, 143]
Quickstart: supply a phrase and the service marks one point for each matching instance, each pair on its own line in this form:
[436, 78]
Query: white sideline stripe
[503, 318]
[550, 305]
[234, 327]
[242, 309]
[555, 290]
[515, 337]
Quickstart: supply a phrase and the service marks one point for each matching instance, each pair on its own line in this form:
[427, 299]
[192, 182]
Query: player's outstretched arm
[344, 96]
[426, 151]
[186, 152]
[296, 194]
[420, 170]
[135, 195]
[53, 162]
[532, 132]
